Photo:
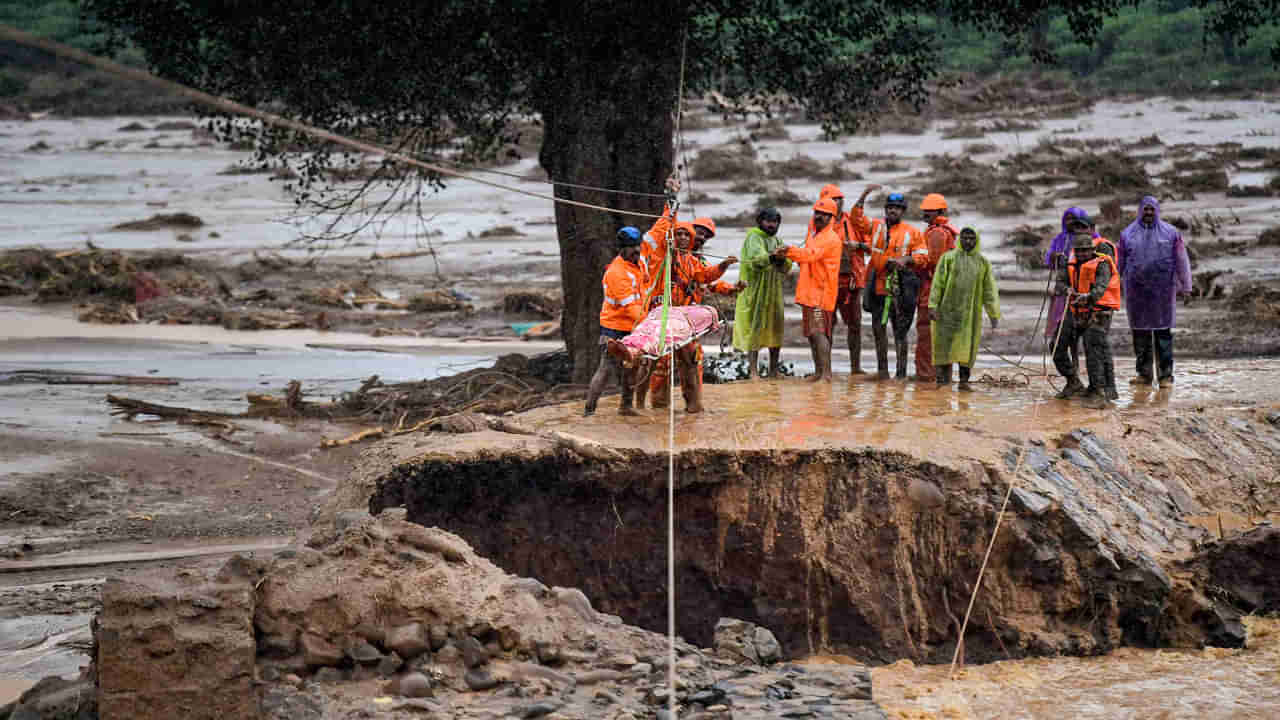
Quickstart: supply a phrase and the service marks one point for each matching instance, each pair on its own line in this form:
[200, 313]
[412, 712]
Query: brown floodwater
[1129, 683]
[856, 411]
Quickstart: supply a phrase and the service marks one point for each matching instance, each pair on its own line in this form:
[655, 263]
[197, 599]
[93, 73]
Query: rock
[641, 669]
[925, 495]
[330, 675]
[390, 665]
[318, 652]
[54, 698]
[479, 679]
[709, 696]
[574, 598]
[539, 709]
[548, 652]
[735, 639]
[473, 653]
[448, 655]
[434, 540]
[351, 518]
[415, 685]
[767, 647]
[622, 662]
[279, 644]
[364, 654]
[408, 641]
[439, 636]
[591, 677]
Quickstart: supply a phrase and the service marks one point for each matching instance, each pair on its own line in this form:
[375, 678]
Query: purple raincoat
[1061, 243]
[1154, 268]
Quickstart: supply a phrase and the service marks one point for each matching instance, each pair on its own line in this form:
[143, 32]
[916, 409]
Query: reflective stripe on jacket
[898, 241]
[623, 305]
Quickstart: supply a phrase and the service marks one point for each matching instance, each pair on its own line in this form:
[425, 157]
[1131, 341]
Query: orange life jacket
[1082, 275]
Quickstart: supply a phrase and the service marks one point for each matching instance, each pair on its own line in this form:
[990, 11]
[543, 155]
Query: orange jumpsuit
[816, 291]
[624, 285]
[902, 239]
[939, 237]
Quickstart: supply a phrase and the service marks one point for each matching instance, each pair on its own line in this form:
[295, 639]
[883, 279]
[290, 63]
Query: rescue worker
[1074, 220]
[705, 229]
[689, 275]
[624, 283]
[1155, 270]
[853, 273]
[939, 238]
[655, 241]
[963, 284]
[758, 315]
[819, 261]
[895, 248]
[1092, 285]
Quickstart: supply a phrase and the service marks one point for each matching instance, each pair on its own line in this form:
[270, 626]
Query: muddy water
[793, 413]
[1128, 683]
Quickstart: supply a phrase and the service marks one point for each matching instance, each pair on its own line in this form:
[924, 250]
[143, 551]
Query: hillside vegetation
[1155, 47]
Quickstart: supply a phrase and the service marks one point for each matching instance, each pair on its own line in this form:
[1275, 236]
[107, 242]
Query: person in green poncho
[758, 316]
[963, 285]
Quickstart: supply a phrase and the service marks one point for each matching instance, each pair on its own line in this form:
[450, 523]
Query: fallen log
[66, 377]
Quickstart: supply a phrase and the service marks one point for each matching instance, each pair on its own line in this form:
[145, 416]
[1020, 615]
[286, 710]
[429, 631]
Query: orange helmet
[933, 201]
[825, 205]
[707, 224]
[831, 191]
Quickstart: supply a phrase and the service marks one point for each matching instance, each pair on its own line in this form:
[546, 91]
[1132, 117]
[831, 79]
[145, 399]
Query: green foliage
[1174, 47]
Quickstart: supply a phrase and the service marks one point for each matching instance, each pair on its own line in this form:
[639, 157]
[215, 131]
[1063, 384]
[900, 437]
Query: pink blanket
[684, 325]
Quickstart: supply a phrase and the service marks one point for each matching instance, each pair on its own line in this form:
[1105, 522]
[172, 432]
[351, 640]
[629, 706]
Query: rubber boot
[691, 386]
[900, 354]
[881, 335]
[943, 373]
[1074, 387]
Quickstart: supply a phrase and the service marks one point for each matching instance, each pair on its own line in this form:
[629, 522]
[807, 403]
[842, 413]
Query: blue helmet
[896, 199]
[628, 236]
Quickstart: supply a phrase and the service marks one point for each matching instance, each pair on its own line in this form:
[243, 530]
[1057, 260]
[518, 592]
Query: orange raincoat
[624, 285]
[819, 262]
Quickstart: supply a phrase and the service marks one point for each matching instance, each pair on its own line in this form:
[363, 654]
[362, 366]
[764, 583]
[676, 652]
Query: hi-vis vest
[1082, 276]
[623, 287]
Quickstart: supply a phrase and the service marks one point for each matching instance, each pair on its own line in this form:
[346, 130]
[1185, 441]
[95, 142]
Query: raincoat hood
[1061, 242]
[977, 246]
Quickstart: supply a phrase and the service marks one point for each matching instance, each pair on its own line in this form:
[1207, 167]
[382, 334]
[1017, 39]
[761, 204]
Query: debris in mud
[803, 166]
[726, 162]
[1249, 191]
[501, 231]
[109, 314]
[992, 190]
[545, 304]
[770, 129]
[780, 198]
[437, 301]
[1270, 237]
[133, 127]
[1256, 304]
[161, 221]
[172, 125]
[1206, 284]
[515, 383]
[72, 274]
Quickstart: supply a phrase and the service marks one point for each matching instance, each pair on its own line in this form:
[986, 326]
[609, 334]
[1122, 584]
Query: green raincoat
[963, 285]
[758, 317]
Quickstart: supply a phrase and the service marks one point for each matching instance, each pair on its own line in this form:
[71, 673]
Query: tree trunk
[608, 123]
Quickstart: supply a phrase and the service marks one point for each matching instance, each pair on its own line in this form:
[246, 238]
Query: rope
[671, 432]
[230, 106]
[517, 176]
[955, 657]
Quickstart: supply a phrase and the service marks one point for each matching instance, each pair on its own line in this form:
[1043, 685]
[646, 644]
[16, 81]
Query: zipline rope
[671, 427]
[230, 106]
[517, 176]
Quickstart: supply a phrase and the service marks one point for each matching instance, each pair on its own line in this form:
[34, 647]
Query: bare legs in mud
[613, 361]
[688, 365]
[753, 363]
[820, 347]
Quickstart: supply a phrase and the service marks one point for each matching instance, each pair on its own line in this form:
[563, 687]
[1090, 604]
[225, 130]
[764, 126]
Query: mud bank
[379, 617]
[870, 551]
